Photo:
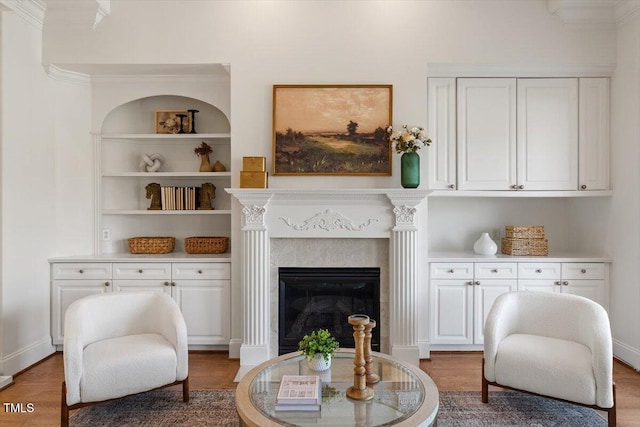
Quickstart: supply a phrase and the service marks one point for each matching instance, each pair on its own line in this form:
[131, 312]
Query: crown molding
[66, 76]
[74, 15]
[32, 11]
[593, 14]
[510, 70]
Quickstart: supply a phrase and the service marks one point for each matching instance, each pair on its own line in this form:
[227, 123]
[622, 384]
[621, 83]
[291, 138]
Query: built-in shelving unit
[127, 135]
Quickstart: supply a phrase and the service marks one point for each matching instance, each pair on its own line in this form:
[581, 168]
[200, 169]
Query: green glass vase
[410, 170]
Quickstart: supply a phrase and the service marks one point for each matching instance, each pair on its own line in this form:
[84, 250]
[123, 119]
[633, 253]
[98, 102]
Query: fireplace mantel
[393, 214]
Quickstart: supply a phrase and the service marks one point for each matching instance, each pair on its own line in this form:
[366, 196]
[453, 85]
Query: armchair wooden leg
[612, 420]
[485, 386]
[185, 390]
[64, 409]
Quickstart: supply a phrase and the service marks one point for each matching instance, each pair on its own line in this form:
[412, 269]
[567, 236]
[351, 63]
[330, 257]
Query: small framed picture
[172, 121]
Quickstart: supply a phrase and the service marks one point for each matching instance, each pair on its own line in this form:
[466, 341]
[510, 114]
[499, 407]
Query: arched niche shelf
[138, 116]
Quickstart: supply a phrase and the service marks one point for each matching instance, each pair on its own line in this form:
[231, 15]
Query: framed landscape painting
[331, 129]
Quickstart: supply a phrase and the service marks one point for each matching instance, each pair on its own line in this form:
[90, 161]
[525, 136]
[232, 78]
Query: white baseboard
[423, 349]
[234, 348]
[5, 381]
[253, 354]
[27, 356]
[627, 354]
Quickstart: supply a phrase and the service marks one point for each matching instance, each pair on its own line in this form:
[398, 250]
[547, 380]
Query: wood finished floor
[41, 384]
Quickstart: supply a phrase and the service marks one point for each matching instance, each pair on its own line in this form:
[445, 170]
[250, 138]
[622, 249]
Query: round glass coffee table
[405, 395]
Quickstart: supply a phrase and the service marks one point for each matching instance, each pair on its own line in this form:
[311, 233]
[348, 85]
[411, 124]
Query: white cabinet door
[441, 127]
[485, 293]
[63, 293]
[486, 123]
[205, 305]
[451, 312]
[548, 134]
[592, 289]
[593, 146]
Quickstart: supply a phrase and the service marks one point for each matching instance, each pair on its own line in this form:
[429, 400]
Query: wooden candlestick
[372, 377]
[359, 390]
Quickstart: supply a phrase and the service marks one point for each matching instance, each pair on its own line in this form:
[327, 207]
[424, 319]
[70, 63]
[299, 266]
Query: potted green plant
[318, 348]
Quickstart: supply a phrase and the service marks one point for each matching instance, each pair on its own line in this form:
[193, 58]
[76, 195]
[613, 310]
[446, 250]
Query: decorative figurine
[372, 377]
[151, 163]
[359, 390]
[182, 116]
[192, 116]
[153, 193]
[207, 193]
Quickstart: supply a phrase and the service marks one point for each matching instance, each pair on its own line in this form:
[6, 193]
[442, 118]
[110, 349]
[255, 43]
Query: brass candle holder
[372, 377]
[359, 390]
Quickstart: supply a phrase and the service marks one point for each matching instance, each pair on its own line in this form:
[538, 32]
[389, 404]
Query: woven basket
[206, 245]
[534, 247]
[524, 231]
[151, 245]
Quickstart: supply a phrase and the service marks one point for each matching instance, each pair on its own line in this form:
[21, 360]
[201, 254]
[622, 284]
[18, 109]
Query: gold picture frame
[168, 121]
[332, 129]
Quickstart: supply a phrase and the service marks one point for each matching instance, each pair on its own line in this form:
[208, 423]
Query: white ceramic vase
[318, 363]
[485, 246]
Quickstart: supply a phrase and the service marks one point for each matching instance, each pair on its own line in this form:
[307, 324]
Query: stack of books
[299, 393]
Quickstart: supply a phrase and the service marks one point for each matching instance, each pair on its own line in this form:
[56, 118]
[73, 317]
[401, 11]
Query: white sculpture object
[485, 246]
[151, 163]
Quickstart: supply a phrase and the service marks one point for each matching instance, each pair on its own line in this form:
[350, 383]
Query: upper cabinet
[519, 134]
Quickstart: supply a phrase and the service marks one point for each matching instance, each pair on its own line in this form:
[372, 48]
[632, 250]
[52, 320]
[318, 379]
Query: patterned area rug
[217, 408]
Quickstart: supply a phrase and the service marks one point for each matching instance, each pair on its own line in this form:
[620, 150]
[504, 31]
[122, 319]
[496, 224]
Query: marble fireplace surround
[391, 214]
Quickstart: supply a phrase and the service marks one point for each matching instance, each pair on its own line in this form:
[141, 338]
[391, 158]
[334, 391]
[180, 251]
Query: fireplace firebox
[314, 298]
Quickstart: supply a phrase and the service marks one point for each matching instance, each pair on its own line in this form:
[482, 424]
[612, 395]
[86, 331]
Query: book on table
[299, 393]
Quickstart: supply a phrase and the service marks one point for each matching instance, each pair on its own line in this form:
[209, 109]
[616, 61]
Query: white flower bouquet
[408, 140]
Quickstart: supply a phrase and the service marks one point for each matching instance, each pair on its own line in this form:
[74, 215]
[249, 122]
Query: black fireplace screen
[314, 298]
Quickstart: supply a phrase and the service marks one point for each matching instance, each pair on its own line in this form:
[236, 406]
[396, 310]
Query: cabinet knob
[515, 187]
[450, 271]
[199, 271]
[80, 271]
[520, 187]
[583, 271]
[495, 270]
[539, 270]
[106, 283]
[140, 271]
[565, 283]
[558, 283]
[477, 283]
[173, 283]
[583, 187]
[452, 186]
[166, 283]
[470, 283]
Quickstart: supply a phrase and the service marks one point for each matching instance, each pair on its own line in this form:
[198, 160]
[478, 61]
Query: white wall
[28, 195]
[388, 42]
[624, 219]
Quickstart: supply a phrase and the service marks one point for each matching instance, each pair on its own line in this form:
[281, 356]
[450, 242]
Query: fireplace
[314, 298]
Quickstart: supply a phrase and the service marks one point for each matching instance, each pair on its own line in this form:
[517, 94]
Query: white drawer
[451, 270]
[539, 270]
[201, 270]
[82, 270]
[142, 270]
[582, 270]
[495, 270]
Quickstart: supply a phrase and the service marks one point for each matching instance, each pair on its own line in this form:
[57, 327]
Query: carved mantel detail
[253, 215]
[405, 215]
[328, 220]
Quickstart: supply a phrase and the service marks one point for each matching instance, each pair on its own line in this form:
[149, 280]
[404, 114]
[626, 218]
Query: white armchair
[121, 344]
[554, 345]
